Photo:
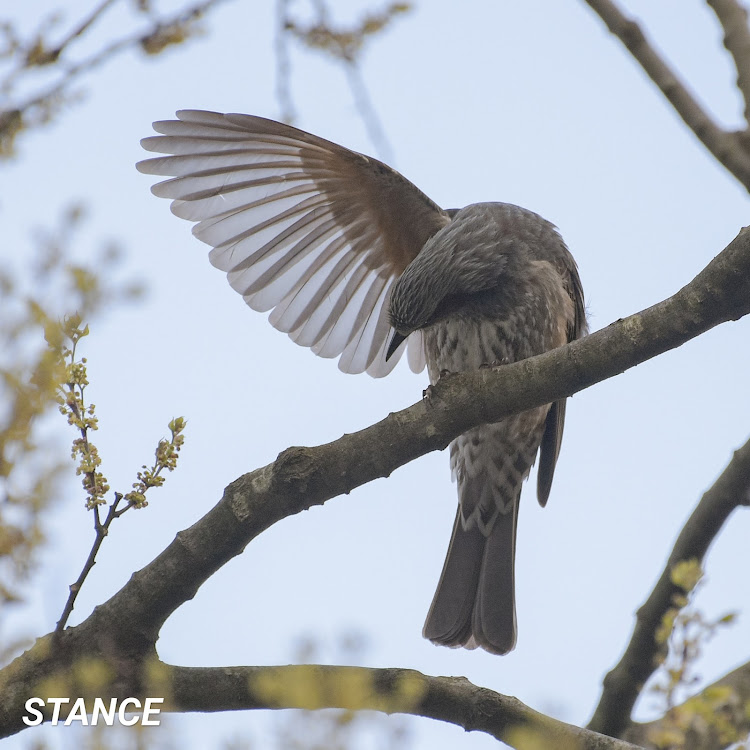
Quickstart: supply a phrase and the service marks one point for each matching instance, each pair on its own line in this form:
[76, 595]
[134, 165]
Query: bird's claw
[429, 392]
[490, 365]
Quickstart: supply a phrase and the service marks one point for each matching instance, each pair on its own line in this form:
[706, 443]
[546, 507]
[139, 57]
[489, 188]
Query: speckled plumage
[526, 309]
[354, 261]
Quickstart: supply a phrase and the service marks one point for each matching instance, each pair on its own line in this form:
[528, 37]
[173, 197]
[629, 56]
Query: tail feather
[494, 617]
[449, 619]
[474, 604]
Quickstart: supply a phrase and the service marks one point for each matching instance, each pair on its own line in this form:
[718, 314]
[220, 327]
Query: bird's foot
[494, 363]
[428, 392]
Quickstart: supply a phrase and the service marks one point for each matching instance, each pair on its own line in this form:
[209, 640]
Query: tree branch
[101, 531]
[454, 700]
[303, 477]
[702, 734]
[124, 630]
[625, 682]
[40, 107]
[727, 147]
[733, 19]
[451, 699]
[368, 112]
[283, 63]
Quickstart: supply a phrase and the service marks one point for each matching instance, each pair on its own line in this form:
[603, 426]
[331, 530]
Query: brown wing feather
[290, 215]
[361, 187]
[549, 449]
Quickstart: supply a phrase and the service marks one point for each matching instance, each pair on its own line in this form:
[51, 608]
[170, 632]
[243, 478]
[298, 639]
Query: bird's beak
[395, 343]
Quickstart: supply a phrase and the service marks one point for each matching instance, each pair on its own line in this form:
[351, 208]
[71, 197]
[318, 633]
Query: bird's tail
[493, 621]
[474, 604]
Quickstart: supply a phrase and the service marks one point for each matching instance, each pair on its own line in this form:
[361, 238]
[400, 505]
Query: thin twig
[283, 63]
[83, 26]
[166, 455]
[734, 20]
[345, 45]
[101, 530]
[367, 112]
[727, 147]
[104, 55]
[624, 683]
[18, 112]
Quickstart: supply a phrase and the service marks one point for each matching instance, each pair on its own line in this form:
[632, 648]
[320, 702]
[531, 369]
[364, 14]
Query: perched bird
[356, 262]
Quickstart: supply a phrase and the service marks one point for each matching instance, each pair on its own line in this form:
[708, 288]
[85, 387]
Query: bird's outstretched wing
[303, 227]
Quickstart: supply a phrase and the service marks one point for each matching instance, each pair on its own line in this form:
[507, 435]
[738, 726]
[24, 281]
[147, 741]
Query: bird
[354, 261]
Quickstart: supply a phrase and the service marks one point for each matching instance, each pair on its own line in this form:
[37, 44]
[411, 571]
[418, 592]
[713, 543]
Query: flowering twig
[624, 683]
[65, 65]
[345, 45]
[682, 635]
[83, 418]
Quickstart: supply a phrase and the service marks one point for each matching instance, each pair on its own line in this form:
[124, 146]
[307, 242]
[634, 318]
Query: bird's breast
[460, 343]
[487, 333]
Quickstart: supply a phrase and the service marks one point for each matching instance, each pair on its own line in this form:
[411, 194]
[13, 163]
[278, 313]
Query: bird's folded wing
[553, 431]
[303, 227]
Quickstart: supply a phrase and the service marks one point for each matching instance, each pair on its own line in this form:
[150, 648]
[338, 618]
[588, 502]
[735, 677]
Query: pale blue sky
[530, 103]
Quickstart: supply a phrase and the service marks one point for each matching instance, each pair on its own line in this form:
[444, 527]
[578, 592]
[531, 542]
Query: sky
[531, 103]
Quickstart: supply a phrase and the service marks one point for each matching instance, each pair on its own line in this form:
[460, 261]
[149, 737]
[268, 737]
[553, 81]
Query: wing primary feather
[283, 275]
[355, 356]
[306, 208]
[301, 226]
[338, 324]
[311, 287]
[315, 319]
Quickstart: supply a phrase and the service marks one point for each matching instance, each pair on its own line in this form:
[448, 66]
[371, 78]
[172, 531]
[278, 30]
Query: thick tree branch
[451, 699]
[727, 147]
[454, 700]
[124, 629]
[640, 660]
[303, 477]
[733, 19]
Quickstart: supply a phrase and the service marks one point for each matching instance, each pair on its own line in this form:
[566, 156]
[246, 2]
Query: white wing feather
[260, 200]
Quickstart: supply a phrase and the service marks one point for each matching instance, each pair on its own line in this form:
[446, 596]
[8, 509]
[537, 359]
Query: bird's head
[465, 258]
